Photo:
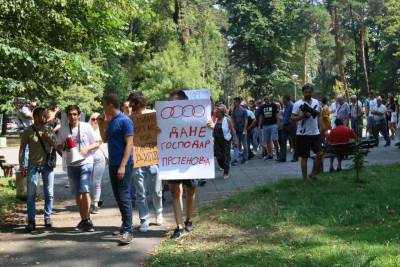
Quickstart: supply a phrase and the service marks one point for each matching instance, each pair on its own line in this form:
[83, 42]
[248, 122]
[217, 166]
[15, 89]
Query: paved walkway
[64, 247]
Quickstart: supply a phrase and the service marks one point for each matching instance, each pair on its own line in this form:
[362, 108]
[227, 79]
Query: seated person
[339, 135]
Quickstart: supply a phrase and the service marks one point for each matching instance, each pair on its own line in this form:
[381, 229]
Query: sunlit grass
[334, 222]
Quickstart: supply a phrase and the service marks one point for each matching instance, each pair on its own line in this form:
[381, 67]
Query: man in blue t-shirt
[119, 134]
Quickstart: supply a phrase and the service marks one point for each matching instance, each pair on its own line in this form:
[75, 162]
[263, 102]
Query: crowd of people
[265, 127]
[272, 126]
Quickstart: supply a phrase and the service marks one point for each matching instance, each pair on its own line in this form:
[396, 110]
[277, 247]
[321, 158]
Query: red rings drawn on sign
[187, 111]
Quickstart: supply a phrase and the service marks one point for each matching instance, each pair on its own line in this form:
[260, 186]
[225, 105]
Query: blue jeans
[242, 139]
[255, 135]
[122, 194]
[148, 185]
[48, 188]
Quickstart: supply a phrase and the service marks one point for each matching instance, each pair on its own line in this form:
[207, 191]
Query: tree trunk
[355, 36]
[363, 58]
[305, 60]
[339, 51]
[181, 7]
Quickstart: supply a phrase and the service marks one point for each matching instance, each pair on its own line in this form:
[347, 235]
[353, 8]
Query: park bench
[347, 150]
[8, 169]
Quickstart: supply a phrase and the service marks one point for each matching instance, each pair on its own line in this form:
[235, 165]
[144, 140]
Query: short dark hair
[180, 94]
[339, 122]
[137, 98]
[286, 97]
[237, 99]
[324, 100]
[72, 107]
[308, 86]
[38, 111]
[113, 100]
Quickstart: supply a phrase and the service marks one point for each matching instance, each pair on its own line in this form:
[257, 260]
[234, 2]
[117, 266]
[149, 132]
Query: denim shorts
[80, 178]
[270, 133]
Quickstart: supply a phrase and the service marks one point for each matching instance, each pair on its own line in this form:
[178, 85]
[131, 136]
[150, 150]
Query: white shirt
[381, 109]
[307, 126]
[87, 138]
[333, 109]
[372, 105]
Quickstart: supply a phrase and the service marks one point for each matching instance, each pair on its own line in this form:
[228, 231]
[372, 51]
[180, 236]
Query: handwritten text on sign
[185, 144]
[145, 151]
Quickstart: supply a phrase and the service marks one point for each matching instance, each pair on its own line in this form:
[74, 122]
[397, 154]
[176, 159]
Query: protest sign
[185, 144]
[145, 151]
[198, 94]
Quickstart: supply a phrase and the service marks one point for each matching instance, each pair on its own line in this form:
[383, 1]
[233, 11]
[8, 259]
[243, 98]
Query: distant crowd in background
[267, 128]
[270, 127]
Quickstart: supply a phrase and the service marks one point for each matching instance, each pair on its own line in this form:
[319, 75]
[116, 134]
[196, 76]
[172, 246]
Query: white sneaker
[144, 227]
[159, 219]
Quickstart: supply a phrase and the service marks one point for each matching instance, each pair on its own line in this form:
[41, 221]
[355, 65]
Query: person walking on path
[326, 123]
[118, 134]
[79, 174]
[356, 116]
[392, 116]
[371, 105]
[146, 179]
[240, 122]
[380, 124]
[268, 121]
[288, 130]
[177, 192]
[41, 143]
[306, 114]
[98, 166]
[343, 110]
[223, 133]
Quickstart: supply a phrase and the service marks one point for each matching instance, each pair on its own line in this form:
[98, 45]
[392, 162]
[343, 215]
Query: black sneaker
[87, 226]
[188, 226]
[126, 238]
[280, 160]
[202, 182]
[48, 223]
[79, 226]
[100, 203]
[30, 227]
[178, 233]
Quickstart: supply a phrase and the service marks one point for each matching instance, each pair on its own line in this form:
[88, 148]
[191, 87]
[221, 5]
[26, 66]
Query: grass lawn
[334, 222]
[8, 198]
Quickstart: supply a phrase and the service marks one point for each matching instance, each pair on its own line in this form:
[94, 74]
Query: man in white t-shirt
[306, 114]
[79, 174]
[380, 124]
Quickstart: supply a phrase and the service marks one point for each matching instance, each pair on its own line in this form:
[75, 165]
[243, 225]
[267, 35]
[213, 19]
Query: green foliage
[46, 46]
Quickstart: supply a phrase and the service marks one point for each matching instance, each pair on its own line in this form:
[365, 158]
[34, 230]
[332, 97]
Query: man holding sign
[185, 151]
[145, 172]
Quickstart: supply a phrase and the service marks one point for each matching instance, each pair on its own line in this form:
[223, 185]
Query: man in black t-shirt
[269, 120]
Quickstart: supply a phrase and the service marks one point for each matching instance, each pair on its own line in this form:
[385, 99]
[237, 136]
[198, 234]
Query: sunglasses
[94, 119]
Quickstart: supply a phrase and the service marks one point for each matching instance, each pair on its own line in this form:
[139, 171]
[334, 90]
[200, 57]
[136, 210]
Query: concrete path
[64, 247]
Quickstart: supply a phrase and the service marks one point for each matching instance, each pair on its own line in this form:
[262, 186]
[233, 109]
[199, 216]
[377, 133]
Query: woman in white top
[99, 165]
[223, 133]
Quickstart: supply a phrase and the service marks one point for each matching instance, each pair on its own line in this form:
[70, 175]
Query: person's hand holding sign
[210, 124]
